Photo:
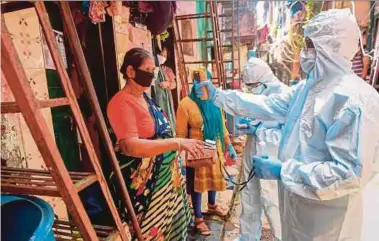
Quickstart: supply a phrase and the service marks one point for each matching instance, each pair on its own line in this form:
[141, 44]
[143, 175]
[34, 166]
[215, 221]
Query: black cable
[229, 178]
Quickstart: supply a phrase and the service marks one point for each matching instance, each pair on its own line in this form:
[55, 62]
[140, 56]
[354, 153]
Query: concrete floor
[226, 231]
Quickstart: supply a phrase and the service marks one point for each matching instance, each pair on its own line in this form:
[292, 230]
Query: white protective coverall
[258, 194]
[330, 140]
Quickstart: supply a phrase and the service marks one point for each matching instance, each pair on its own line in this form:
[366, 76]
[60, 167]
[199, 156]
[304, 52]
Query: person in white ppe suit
[262, 139]
[330, 140]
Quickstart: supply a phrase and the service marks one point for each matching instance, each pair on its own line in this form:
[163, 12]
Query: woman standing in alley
[148, 154]
[202, 120]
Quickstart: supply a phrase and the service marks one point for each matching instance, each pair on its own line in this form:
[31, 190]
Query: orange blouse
[129, 118]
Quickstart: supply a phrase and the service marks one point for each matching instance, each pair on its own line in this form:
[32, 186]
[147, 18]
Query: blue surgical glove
[210, 87]
[251, 130]
[244, 120]
[266, 167]
[232, 152]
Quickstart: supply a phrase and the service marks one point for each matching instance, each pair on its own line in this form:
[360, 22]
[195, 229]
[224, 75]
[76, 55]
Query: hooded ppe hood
[335, 36]
[257, 70]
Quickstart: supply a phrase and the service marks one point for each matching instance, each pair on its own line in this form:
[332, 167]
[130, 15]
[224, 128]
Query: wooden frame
[80, 62]
[60, 180]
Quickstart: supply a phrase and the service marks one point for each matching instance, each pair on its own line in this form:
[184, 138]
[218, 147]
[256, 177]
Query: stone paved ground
[226, 231]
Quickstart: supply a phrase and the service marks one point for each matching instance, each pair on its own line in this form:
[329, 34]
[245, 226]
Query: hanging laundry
[97, 11]
[263, 33]
[145, 7]
[115, 8]
[161, 17]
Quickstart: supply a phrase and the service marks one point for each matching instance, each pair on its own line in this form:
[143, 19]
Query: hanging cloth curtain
[163, 97]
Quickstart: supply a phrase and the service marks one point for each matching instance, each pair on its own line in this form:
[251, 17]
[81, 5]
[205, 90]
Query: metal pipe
[195, 40]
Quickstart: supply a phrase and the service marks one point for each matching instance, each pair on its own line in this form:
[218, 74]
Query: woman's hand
[194, 147]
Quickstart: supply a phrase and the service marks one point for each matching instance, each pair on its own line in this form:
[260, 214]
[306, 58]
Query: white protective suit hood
[260, 196]
[335, 38]
[257, 70]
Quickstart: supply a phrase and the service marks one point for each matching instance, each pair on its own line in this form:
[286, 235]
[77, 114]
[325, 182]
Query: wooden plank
[63, 230]
[192, 16]
[27, 182]
[12, 107]
[206, 62]
[80, 62]
[66, 84]
[42, 173]
[24, 96]
[14, 179]
[30, 190]
[86, 182]
[180, 61]
[195, 40]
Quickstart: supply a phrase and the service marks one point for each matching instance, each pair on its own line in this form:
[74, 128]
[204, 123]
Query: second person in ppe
[262, 139]
[330, 141]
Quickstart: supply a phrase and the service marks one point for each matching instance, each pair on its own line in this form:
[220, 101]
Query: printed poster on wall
[49, 63]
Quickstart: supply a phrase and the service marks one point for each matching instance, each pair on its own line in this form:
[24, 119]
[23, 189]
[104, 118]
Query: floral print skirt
[156, 187]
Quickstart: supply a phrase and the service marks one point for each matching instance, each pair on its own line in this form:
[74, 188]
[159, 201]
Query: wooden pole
[66, 84]
[80, 62]
[24, 96]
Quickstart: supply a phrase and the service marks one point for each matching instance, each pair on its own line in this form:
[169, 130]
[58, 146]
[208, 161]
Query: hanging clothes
[97, 11]
[163, 97]
[161, 17]
[115, 8]
[263, 33]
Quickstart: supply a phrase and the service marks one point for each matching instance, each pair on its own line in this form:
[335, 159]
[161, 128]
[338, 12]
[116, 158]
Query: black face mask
[143, 78]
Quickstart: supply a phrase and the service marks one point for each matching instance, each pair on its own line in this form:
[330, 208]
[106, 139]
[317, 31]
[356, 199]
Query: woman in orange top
[202, 120]
[148, 154]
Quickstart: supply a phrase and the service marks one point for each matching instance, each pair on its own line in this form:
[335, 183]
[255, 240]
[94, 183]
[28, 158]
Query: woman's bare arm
[143, 148]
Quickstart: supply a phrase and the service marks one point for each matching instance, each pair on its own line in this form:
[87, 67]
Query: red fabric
[228, 160]
[129, 117]
[97, 11]
[263, 33]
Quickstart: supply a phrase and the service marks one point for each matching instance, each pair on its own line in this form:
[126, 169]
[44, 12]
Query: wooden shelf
[39, 182]
[12, 107]
[65, 231]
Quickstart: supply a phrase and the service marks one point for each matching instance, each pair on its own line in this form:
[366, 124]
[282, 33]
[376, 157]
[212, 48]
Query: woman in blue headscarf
[202, 120]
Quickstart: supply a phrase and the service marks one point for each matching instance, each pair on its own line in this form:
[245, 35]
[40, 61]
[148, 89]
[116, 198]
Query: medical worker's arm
[329, 179]
[260, 107]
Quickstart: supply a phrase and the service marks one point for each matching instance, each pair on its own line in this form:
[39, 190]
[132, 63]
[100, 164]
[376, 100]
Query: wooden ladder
[57, 180]
[211, 12]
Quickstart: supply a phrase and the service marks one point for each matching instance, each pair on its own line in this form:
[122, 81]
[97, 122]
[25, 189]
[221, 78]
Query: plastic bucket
[26, 218]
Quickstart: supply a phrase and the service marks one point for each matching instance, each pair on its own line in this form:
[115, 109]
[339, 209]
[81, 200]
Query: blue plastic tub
[26, 218]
